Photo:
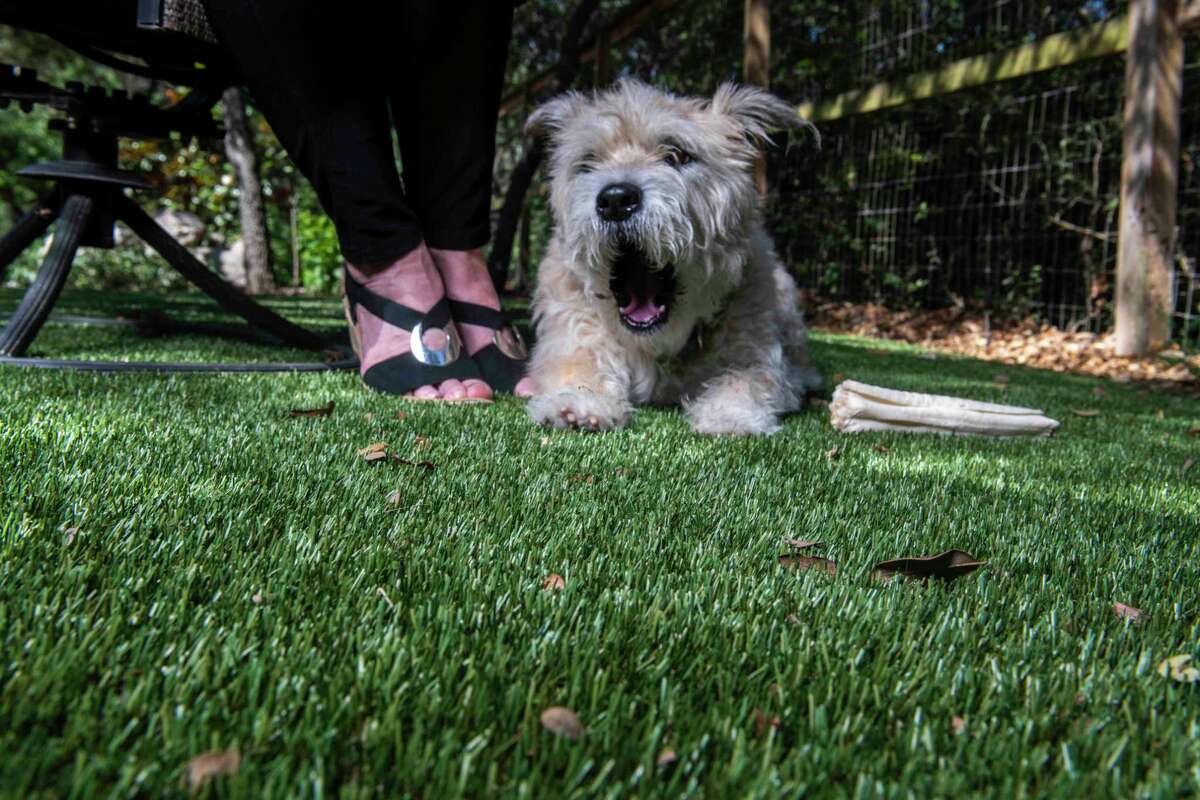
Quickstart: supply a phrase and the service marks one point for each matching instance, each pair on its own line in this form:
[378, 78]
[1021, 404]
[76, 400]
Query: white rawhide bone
[860, 407]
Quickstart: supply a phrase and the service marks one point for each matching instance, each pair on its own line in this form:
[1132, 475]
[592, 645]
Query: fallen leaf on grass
[621, 472]
[1176, 668]
[395, 499]
[213, 764]
[1085, 412]
[958, 725]
[554, 582]
[833, 453]
[580, 478]
[764, 724]
[947, 566]
[422, 442]
[563, 722]
[838, 377]
[802, 544]
[801, 563]
[323, 411]
[881, 449]
[818, 402]
[1194, 430]
[69, 535]
[374, 452]
[400, 415]
[666, 758]
[1127, 612]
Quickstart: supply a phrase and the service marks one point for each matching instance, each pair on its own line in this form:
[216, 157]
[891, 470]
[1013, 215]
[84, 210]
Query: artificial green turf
[409, 650]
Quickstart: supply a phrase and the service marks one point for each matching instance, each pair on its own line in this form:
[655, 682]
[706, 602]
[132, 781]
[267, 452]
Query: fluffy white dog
[659, 284]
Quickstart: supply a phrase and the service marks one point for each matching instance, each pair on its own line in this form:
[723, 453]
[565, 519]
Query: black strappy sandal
[423, 365]
[502, 363]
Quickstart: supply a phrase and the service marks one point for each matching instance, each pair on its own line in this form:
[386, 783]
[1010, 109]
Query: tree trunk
[239, 149]
[756, 66]
[523, 173]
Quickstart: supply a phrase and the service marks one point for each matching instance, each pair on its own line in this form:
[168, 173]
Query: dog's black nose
[617, 202]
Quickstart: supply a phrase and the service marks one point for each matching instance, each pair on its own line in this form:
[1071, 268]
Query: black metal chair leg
[40, 296]
[28, 228]
[227, 296]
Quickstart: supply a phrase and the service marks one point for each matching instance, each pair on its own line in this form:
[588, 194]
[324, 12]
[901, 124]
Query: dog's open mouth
[644, 294]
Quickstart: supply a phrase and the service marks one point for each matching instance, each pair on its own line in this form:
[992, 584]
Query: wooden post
[1149, 177]
[756, 65]
[600, 74]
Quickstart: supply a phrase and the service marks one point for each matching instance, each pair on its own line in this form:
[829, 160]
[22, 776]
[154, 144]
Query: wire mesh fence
[1005, 197]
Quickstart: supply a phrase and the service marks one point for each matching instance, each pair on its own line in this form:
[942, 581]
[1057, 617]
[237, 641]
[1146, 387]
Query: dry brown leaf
[958, 725]
[621, 472]
[323, 411]
[373, 453]
[563, 721]
[838, 377]
[1085, 412]
[400, 415]
[666, 758]
[422, 442]
[554, 582]
[580, 478]
[818, 402]
[1176, 668]
[801, 563]
[947, 566]
[802, 544]
[1194, 430]
[69, 535]
[395, 499]
[881, 449]
[833, 453]
[424, 464]
[764, 724]
[1127, 612]
[213, 764]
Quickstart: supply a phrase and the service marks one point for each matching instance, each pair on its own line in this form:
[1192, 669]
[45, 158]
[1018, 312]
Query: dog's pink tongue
[641, 311]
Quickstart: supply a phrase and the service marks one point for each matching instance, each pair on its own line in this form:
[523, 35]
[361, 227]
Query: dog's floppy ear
[554, 114]
[758, 112]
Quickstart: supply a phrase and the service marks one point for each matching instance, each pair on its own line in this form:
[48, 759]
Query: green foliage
[320, 257]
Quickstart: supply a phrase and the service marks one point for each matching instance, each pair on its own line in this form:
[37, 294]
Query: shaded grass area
[408, 649]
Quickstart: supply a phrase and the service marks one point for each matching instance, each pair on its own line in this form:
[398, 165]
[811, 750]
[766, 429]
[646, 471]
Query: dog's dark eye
[586, 164]
[677, 157]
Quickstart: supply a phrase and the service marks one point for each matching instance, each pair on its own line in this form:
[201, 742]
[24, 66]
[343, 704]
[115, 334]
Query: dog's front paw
[579, 409]
[729, 417]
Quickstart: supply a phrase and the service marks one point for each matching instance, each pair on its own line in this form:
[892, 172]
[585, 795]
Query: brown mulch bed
[1028, 343]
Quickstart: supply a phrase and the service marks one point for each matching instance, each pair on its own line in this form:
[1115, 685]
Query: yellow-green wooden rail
[1060, 50]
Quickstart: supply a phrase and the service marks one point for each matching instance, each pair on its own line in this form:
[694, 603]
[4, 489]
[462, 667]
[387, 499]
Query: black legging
[325, 74]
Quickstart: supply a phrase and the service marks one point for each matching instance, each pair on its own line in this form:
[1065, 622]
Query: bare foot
[412, 281]
[466, 278]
